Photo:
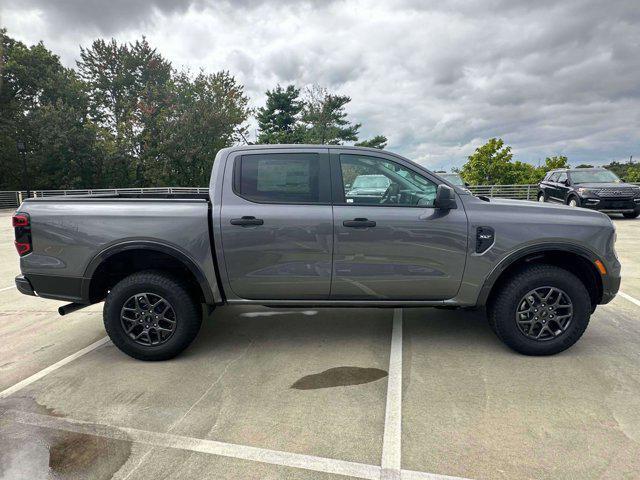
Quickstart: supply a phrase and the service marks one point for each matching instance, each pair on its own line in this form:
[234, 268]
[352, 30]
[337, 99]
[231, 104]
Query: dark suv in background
[594, 188]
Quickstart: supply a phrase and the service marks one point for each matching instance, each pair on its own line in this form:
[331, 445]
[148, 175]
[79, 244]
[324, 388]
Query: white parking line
[391, 443]
[273, 457]
[629, 297]
[37, 376]
[212, 447]
[7, 288]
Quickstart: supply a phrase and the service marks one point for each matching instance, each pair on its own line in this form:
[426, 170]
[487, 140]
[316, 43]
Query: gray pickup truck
[277, 229]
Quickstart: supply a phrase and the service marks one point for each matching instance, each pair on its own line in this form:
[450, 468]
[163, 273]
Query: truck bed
[74, 234]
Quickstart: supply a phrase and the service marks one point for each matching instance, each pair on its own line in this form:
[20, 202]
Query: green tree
[279, 119]
[379, 141]
[129, 90]
[325, 119]
[490, 164]
[551, 163]
[44, 105]
[207, 113]
[633, 173]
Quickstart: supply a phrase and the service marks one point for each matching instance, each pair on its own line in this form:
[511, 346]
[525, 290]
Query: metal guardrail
[11, 199]
[519, 192]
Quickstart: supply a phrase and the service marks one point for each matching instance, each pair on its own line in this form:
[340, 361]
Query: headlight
[583, 191]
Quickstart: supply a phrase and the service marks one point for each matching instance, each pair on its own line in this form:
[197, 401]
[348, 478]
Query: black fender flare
[529, 251]
[150, 245]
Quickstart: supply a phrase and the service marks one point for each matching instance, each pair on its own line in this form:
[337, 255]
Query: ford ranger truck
[278, 229]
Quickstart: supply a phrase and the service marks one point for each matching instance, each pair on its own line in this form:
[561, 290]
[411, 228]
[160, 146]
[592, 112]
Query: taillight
[20, 220]
[22, 227]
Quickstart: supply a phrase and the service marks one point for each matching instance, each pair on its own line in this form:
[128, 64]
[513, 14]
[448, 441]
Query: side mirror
[622, 180]
[466, 184]
[445, 198]
[567, 182]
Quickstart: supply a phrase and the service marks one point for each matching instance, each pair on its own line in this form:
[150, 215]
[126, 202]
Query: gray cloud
[438, 78]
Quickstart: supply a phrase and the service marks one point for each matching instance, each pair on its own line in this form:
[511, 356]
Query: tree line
[125, 117]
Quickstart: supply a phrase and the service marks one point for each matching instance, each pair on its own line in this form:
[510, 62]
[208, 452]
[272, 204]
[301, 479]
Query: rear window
[279, 178]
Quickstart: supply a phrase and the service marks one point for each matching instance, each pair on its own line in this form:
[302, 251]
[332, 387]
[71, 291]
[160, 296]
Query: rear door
[400, 246]
[277, 224]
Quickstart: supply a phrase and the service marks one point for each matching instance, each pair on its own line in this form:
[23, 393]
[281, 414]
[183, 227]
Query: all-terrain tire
[187, 314]
[503, 307]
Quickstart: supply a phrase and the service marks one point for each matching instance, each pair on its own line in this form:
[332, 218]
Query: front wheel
[542, 310]
[631, 214]
[151, 316]
[573, 202]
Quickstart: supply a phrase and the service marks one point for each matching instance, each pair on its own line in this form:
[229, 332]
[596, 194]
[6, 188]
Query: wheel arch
[578, 260]
[571, 195]
[124, 258]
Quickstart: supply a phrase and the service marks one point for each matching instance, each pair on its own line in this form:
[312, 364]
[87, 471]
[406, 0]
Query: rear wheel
[631, 214]
[542, 310]
[151, 316]
[541, 197]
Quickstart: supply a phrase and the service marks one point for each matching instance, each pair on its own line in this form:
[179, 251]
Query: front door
[561, 188]
[390, 243]
[277, 224]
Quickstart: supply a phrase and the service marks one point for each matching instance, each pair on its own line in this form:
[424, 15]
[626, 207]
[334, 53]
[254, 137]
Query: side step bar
[71, 307]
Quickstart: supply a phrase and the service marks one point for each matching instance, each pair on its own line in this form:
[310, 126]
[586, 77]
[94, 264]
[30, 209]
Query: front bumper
[610, 287]
[24, 286]
[612, 205]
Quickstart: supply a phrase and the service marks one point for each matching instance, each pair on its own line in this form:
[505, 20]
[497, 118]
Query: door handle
[247, 221]
[359, 223]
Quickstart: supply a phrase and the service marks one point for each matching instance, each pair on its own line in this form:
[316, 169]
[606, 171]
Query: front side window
[279, 178]
[370, 180]
[554, 177]
[562, 178]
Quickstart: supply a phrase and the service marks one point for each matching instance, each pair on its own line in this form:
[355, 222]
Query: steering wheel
[392, 191]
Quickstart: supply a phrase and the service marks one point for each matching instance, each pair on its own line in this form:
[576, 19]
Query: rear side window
[279, 178]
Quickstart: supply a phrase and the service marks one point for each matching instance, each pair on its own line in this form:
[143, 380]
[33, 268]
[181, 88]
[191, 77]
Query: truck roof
[282, 146]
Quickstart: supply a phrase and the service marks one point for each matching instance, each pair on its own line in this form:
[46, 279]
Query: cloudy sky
[438, 78]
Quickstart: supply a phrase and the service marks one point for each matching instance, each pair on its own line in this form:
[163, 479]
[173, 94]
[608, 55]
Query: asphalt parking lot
[318, 394]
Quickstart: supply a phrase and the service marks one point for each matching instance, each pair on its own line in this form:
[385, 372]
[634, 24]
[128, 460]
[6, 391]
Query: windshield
[453, 178]
[371, 181]
[594, 176]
